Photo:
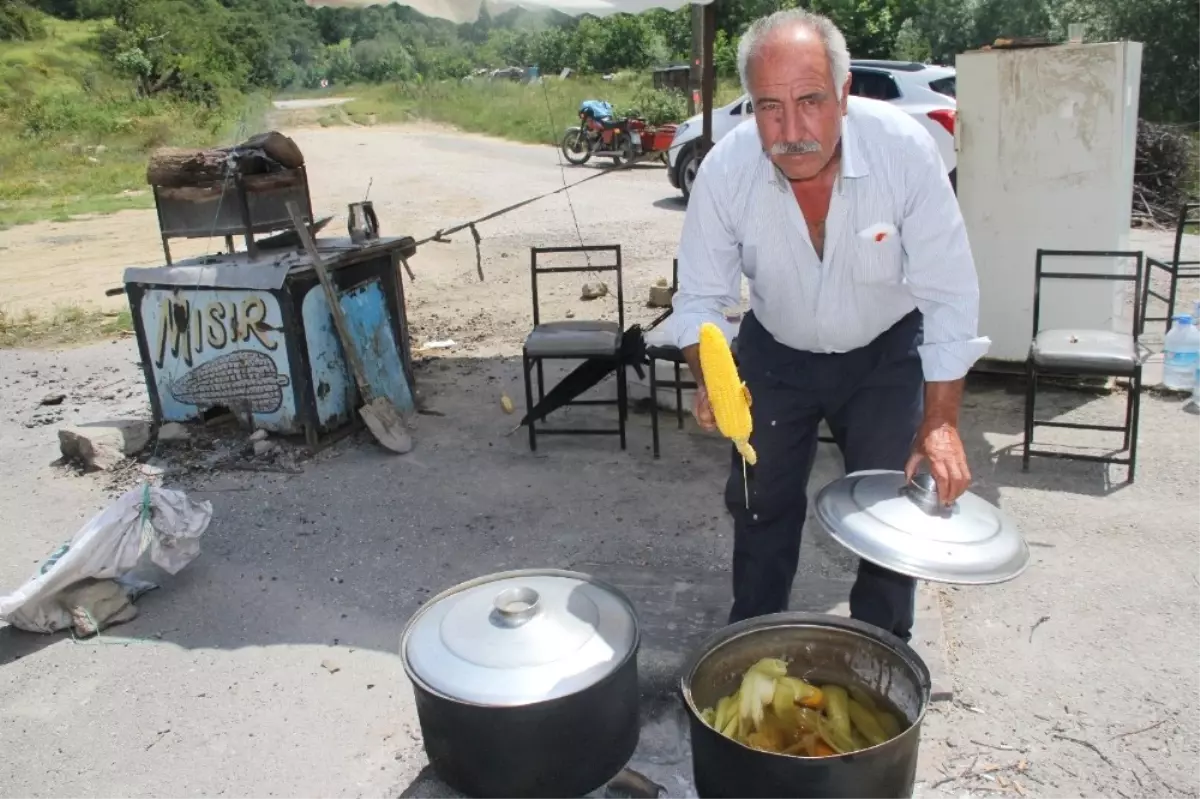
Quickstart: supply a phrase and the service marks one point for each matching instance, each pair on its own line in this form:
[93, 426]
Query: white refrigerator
[1046, 139]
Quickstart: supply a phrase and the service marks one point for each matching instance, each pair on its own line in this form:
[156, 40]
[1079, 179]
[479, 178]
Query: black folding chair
[1176, 269]
[1094, 353]
[574, 339]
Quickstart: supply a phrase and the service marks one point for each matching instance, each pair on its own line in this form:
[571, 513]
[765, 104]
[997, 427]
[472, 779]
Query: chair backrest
[1189, 214]
[614, 266]
[1041, 274]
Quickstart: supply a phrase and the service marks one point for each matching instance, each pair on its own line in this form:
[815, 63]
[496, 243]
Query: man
[864, 300]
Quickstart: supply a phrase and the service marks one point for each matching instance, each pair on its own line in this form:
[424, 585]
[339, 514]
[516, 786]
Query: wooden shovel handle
[335, 306]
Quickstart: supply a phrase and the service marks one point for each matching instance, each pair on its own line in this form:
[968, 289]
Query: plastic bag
[111, 544]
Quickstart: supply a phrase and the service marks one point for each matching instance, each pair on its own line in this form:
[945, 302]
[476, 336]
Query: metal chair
[1189, 214]
[1097, 353]
[574, 339]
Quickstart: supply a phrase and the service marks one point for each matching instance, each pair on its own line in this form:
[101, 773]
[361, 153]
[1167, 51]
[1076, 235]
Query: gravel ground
[269, 667]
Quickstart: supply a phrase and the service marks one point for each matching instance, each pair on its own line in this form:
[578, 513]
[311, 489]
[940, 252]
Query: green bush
[656, 107]
[20, 23]
[72, 112]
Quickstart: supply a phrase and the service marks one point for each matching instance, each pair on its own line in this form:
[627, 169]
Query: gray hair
[827, 32]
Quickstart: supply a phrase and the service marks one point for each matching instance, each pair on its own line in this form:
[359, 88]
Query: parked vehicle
[926, 92]
[600, 133]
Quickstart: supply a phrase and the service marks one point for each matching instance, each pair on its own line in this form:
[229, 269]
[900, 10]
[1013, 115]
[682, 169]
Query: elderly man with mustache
[863, 293]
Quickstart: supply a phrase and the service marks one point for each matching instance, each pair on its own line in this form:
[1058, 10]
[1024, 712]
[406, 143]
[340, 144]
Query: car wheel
[688, 165]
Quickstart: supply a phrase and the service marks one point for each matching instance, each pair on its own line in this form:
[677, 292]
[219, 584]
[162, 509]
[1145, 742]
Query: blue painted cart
[255, 337]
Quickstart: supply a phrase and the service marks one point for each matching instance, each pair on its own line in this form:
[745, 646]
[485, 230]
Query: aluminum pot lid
[520, 637]
[900, 525]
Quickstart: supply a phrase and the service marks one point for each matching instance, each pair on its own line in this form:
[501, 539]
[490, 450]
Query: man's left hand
[938, 442]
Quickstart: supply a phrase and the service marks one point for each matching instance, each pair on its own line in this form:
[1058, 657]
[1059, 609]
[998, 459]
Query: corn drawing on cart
[254, 336]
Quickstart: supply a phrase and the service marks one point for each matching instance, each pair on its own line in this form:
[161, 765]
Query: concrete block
[660, 297]
[103, 445]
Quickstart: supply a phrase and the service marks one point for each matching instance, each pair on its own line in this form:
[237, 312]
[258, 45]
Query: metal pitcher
[362, 222]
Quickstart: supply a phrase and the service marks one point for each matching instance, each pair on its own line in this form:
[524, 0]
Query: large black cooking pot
[819, 648]
[526, 683]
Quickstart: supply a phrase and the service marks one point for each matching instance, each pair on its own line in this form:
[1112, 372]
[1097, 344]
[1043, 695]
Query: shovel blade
[386, 425]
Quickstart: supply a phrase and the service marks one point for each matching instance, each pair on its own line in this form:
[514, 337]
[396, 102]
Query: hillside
[73, 136]
[112, 79]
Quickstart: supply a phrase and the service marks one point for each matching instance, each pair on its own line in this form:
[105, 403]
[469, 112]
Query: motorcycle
[601, 134]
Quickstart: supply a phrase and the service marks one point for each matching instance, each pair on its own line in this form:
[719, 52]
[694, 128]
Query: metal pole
[695, 75]
[709, 77]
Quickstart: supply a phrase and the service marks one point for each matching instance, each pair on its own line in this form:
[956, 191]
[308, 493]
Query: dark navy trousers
[872, 399]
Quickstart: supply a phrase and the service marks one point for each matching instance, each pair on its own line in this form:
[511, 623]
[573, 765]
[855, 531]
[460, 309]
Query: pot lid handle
[922, 491]
[516, 606]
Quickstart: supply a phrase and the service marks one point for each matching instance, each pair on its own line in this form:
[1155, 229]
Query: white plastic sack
[106, 548]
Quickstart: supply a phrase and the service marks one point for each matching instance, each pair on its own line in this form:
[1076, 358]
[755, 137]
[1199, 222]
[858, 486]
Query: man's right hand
[702, 410]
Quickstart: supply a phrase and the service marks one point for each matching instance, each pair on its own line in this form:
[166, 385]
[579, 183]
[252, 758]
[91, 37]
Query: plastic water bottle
[1181, 352]
[1196, 387]
[1196, 382]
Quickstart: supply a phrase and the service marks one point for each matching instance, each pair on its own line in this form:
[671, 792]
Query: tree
[725, 55]
[198, 49]
[477, 32]
[911, 45]
[1169, 31]
[867, 25]
[382, 60]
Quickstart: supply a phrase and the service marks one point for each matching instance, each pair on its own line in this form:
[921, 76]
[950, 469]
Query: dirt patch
[422, 178]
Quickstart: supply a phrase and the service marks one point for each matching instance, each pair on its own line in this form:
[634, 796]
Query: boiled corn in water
[775, 712]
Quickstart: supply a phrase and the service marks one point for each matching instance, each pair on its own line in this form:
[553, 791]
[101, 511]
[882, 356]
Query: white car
[926, 92]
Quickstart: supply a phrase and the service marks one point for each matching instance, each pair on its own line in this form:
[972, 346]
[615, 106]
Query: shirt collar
[853, 164]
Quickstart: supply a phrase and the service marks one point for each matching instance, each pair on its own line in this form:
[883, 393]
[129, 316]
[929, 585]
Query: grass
[74, 138]
[65, 325]
[535, 114]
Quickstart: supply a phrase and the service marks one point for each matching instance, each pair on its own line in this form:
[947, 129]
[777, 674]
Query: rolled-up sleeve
[940, 270]
[710, 271]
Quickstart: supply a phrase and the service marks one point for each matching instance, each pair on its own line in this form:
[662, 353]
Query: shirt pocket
[877, 262]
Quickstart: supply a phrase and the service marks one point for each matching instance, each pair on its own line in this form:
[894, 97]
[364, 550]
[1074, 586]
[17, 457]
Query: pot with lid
[901, 525]
[526, 683]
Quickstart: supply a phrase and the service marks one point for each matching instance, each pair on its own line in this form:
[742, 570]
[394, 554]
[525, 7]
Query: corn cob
[727, 394]
[243, 380]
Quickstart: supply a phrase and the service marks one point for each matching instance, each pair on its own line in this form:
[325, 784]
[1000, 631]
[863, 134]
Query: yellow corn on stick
[727, 394]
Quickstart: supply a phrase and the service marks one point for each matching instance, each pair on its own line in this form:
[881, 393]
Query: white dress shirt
[894, 241]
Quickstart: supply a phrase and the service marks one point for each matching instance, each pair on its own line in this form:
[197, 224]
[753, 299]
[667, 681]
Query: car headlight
[679, 131]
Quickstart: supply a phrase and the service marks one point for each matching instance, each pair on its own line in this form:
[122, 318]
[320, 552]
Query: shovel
[378, 413]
